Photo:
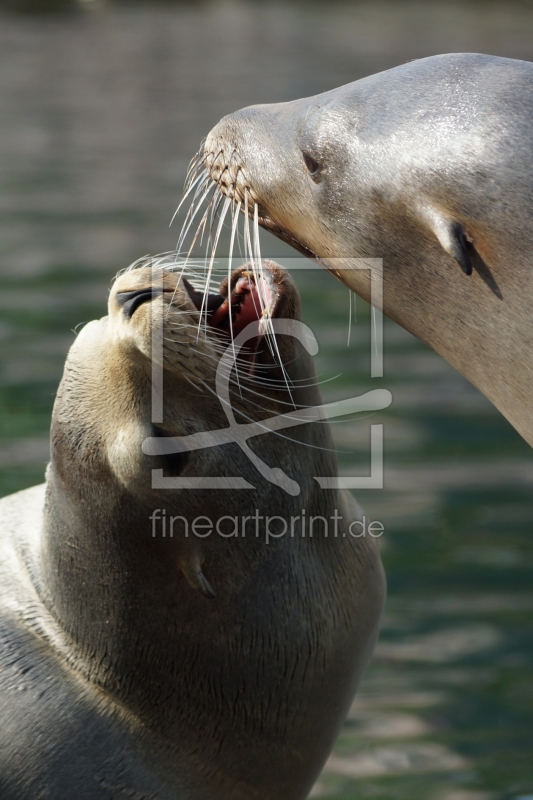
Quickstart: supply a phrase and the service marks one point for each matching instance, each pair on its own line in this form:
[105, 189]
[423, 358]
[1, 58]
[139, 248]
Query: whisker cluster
[208, 210]
[206, 196]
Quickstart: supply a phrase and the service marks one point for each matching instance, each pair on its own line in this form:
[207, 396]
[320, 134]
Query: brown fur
[138, 682]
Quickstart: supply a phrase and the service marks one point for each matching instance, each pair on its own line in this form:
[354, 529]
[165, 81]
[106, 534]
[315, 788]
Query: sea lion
[145, 661]
[427, 166]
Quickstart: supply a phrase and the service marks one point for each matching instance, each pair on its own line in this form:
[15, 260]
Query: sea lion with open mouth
[175, 660]
[427, 166]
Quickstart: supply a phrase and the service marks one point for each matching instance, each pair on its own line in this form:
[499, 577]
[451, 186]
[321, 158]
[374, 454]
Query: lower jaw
[286, 237]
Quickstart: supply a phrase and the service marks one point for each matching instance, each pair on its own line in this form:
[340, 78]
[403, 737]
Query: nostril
[131, 301]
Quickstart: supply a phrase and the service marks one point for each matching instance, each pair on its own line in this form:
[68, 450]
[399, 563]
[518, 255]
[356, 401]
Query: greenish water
[36, 329]
[100, 116]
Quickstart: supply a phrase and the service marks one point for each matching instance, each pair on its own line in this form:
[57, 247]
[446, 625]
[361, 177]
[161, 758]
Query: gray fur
[428, 166]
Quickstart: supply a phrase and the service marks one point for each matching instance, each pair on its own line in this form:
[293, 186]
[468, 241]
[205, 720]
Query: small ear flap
[452, 236]
[192, 570]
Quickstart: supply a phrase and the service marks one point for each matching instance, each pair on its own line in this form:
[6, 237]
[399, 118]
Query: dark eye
[312, 165]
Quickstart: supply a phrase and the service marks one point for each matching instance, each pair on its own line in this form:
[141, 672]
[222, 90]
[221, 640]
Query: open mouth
[252, 294]
[247, 297]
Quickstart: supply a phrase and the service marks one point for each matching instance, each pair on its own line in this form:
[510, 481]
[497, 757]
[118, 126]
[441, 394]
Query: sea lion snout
[225, 167]
[254, 154]
[186, 310]
[237, 155]
[225, 154]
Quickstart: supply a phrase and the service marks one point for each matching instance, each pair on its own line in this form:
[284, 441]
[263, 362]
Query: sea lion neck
[158, 644]
[485, 335]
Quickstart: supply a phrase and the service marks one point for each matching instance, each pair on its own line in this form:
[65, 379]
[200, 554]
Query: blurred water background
[101, 108]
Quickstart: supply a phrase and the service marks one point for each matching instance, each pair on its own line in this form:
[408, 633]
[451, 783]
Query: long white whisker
[214, 212]
[195, 159]
[225, 207]
[249, 253]
[234, 224]
[197, 179]
[265, 308]
[191, 214]
[185, 229]
[186, 259]
[201, 227]
[258, 274]
[257, 255]
[193, 167]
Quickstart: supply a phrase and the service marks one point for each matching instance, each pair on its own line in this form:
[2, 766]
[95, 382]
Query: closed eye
[129, 302]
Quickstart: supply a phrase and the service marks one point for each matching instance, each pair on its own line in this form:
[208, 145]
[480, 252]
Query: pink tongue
[250, 307]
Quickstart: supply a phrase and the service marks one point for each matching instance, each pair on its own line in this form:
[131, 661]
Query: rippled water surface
[100, 114]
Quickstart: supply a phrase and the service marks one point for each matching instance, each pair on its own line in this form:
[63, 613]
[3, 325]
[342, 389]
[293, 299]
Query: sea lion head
[339, 174]
[106, 397]
[426, 167]
[112, 469]
[107, 450]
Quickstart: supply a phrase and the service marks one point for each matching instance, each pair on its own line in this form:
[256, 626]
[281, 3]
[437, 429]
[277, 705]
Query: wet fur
[118, 677]
[427, 166]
